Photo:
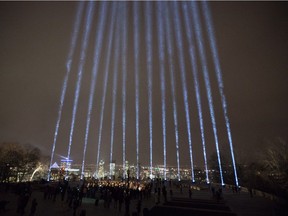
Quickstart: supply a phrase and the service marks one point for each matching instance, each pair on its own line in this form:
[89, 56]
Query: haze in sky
[253, 52]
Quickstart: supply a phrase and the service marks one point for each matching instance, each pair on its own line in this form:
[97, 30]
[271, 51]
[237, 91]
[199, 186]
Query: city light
[96, 59]
[69, 60]
[82, 60]
[161, 56]
[200, 45]
[105, 80]
[170, 50]
[193, 61]
[178, 32]
[212, 40]
[149, 57]
[136, 68]
[152, 50]
[124, 78]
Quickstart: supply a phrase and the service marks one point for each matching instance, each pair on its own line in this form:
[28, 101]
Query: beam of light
[106, 73]
[85, 41]
[136, 69]
[36, 170]
[170, 51]
[74, 38]
[198, 31]
[212, 40]
[115, 78]
[178, 32]
[124, 77]
[148, 41]
[161, 56]
[193, 61]
[96, 59]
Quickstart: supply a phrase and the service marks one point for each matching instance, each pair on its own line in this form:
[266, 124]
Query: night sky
[252, 41]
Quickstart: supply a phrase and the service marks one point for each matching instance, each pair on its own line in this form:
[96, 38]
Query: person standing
[127, 205]
[33, 207]
[164, 191]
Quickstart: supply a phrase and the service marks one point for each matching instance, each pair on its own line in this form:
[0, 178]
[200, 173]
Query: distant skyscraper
[101, 171]
[112, 169]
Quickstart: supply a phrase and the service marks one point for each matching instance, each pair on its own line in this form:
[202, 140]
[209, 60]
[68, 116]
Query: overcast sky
[252, 41]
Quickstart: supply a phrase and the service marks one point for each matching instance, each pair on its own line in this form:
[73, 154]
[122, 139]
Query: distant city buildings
[115, 171]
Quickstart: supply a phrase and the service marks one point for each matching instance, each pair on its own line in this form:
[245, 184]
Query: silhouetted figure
[139, 204]
[171, 192]
[219, 194]
[213, 191]
[190, 193]
[83, 212]
[164, 191]
[127, 205]
[23, 201]
[250, 192]
[63, 191]
[33, 207]
[75, 206]
[121, 199]
[158, 195]
[46, 191]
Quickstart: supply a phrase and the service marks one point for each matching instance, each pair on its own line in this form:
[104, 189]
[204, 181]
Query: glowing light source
[106, 73]
[96, 59]
[193, 61]
[170, 50]
[124, 77]
[198, 31]
[85, 40]
[136, 68]
[161, 56]
[69, 60]
[115, 78]
[178, 32]
[212, 40]
[148, 40]
[169, 36]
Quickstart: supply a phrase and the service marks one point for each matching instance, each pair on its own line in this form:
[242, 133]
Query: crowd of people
[113, 194]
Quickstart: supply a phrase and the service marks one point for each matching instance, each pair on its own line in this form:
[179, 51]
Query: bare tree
[276, 161]
[17, 160]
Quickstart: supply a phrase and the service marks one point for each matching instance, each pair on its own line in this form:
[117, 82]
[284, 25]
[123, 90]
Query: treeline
[17, 162]
[268, 172]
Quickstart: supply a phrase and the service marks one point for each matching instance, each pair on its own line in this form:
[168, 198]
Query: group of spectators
[113, 194]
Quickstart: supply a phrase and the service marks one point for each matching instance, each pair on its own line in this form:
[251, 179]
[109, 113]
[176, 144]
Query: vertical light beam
[178, 32]
[136, 69]
[69, 60]
[124, 77]
[170, 50]
[198, 31]
[115, 86]
[148, 40]
[74, 35]
[161, 56]
[96, 59]
[106, 73]
[193, 61]
[85, 41]
[213, 45]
